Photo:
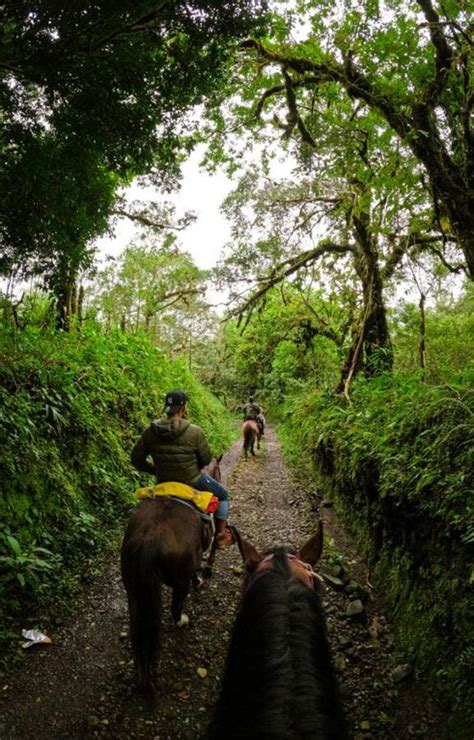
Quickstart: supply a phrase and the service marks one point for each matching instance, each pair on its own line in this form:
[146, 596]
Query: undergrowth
[398, 462]
[71, 407]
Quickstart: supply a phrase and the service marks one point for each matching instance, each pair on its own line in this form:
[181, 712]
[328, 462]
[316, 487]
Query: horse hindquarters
[140, 575]
[249, 441]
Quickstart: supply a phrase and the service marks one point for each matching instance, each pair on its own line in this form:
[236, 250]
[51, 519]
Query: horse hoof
[198, 583]
[207, 572]
[184, 621]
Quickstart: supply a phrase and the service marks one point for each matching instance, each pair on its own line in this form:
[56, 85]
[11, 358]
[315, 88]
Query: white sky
[200, 192]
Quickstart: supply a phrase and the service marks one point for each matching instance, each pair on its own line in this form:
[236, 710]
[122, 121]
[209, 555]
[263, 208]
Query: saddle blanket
[204, 500]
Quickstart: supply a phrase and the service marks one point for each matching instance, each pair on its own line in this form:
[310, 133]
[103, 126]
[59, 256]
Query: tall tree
[370, 210]
[91, 95]
[156, 288]
[409, 62]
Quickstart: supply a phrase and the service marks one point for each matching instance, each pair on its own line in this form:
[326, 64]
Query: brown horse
[251, 435]
[279, 681]
[163, 544]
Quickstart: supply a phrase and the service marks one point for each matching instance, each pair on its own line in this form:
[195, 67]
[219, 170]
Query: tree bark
[377, 344]
[371, 347]
[63, 307]
[422, 345]
[80, 305]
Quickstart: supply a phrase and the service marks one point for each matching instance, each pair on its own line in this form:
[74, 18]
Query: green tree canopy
[91, 95]
[410, 63]
[156, 288]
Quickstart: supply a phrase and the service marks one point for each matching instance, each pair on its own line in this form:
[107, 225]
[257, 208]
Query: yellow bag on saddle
[202, 499]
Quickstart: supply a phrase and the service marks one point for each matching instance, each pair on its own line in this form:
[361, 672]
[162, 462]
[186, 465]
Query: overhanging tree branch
[284, 270]
[405, 242]
[357, 85]
[144, 220]
[450, 176]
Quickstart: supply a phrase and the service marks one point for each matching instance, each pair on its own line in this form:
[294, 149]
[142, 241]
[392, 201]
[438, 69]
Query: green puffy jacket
[178, 449]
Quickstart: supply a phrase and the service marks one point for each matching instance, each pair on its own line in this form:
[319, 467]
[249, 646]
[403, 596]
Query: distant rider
[179, 450]
[254, 412]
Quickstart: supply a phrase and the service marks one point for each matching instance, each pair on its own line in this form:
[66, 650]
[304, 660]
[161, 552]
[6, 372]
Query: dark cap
[174, 400]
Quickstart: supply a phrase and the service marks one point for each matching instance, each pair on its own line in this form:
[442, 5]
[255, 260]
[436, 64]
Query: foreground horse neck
[278, 679]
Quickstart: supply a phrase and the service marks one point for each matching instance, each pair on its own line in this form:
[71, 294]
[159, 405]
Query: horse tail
[143, 584]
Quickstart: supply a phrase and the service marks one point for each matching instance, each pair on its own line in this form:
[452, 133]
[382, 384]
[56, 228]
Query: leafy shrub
[71, 407]
[449, 339]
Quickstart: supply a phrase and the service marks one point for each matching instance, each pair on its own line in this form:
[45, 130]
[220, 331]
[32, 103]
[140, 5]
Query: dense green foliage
[374, 102]
[449, 337]
[296, 337]
[154, 288]
[71, 406]
[379, 97]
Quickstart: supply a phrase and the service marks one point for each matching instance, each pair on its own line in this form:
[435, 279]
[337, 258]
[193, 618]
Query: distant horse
[279, 681]
[163, 543]
[251, 435]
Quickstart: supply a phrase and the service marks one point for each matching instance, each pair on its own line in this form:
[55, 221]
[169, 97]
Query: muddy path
[82, 685]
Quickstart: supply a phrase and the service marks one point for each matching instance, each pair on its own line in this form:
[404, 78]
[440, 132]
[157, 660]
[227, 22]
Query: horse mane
[279, 680]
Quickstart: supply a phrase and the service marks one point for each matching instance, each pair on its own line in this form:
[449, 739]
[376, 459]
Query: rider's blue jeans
[206, 483]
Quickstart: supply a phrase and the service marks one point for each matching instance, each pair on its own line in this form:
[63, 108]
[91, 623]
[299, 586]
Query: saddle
[204, 502]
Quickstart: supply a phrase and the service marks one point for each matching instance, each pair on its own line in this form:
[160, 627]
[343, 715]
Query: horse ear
[250, 555]
[313, 548]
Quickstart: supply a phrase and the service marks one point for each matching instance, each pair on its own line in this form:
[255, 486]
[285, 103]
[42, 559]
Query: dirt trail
[82, 685]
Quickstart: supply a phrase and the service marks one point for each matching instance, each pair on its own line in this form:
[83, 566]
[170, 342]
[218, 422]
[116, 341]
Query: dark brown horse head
[278, 679]
[300, 563]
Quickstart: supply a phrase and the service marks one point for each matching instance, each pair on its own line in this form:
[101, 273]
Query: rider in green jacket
[179, 450]
[254, 412]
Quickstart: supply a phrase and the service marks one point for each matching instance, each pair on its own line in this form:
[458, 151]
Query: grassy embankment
[398, 463]
[71, 406]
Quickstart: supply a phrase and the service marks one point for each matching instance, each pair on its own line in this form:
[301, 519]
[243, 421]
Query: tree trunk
[376, 343]
[466, 242]
[80, 305]
[353, 361]
[62, 311]
[421, 345]
[371, 348]
[450, 185]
